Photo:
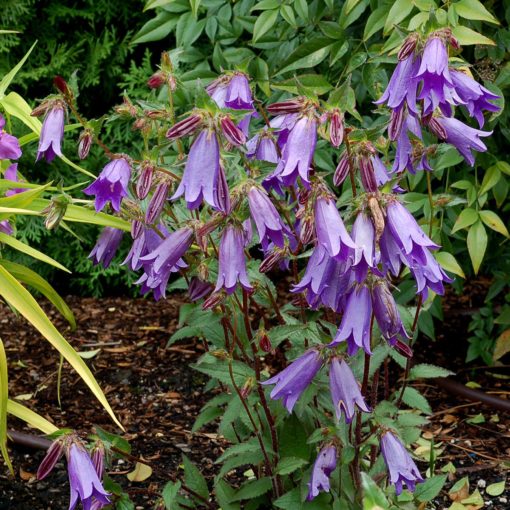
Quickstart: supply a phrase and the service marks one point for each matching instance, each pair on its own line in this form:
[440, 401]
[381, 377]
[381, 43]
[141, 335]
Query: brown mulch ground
[157, 396]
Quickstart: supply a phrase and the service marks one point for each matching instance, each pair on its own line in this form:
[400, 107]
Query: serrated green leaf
[466, 218]
[194, 479]
[373, 496]
[288, 465]
[477, 244]
[169, 494]
[413, 398]
[424, 371]
[494, 222]
[264, 23]
[253, 489]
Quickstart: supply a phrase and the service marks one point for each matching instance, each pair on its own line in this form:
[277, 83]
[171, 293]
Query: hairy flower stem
[351, 166]
[275, 305]
[431, 202]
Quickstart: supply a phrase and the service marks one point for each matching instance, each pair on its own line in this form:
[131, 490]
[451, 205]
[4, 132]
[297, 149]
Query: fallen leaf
[496, 489]
[24, 396]
[25, 475]
[140, 473]
[502, 345]
[460, 490]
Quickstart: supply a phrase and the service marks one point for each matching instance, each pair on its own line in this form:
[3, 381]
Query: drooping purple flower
[83, 479]
[401, 466]
[6, 227]
[386, 312]
[157, 202]
[283, 124]
[232, 262]
[429, 276]
[407, 234]
[463, 137]
[390, 252]
[403, 85]
[355, 325]
[52, 133]
[266, 218]
[198, 289]
[262, 147]
[325, 281]
[238, 96]
[297, 154]
[363, 234]
[330, 230]
[324, 465]
[345, 391]
[112, 184]
[293, 380]
[9, 145]
[475, 97]
[144, 243]
[157, 281]
[106, 246]
[11, 174]
[404, 155]
[200, 179]
[437, 85]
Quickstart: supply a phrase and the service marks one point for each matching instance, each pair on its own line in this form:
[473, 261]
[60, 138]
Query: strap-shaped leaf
[31, 278]
[24, 248]
[28, 416]
[6, 80]
[3, 406]
[20, 299]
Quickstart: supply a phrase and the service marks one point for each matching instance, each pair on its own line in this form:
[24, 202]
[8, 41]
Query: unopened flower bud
[203, 272]
[53, 455]
[55, 212]
[304, 195]
[403, 348]
[144, 182]
[436, 128]
[408, 46]
[84, 143]
[284, 107]
[222, 193]
[367, 174]
[336, 128]
[247, 387]
[97, 456]
[198, 288]
[231, 132]
[171, 82]
[127, 108]
[140, 123]
[184, 127]
[156, 114]
[377, 217]
[396, 122]
[136, 229]
[156, 80]
[62, 85]
[157, 202]
[307, 230]
[213, 300]
[342, 170]
[272, 260]
[265, 342]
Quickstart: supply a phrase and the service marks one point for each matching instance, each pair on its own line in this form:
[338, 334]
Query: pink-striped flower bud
[342, 170]
[222, 192]
[184, 127]
[396, 122]
[304, 196]
[436, 128]
[272, 260]
[307, 230]
[284, 107]
[231, 132]
[144, 182]
[265, 342]
[137, 228]
[336, 128]
[213, 300]
[157, 203]
[53, 455]
[367, 174]
[156, 80]
[408, 46]
[127, 108]
[97, 457]
[84, 143]
[403, 348]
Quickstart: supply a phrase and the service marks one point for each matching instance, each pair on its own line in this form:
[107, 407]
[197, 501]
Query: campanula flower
[401, 466]
[345, 391]
[293, 380]
[112, 184]
[9, 145]
[6, 227]
[52, 133]
[106, 246]
[324, 465]
[262, 147]
[266, 218]
[363, 234]
[198, 289]
[11, 174]
[238, 95]
[429, 276]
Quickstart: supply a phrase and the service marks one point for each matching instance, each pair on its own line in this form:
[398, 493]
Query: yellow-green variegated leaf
[4, 396]
[20, 299]
[25, 198]
[28, 250]
[6, 80]
[9, 211]
[16, 106]
[31, 278]
[28, 416]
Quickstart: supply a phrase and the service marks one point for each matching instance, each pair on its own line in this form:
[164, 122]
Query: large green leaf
[474, 10]
[4, 397]
[477, 244]
[16, 106]
[28, 416]
[28, 250]
[21, 300]
[37, 282]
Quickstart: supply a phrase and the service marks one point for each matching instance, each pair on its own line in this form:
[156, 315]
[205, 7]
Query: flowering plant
[230, 191]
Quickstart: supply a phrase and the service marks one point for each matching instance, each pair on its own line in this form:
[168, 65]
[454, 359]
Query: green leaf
[238, 449]
[37, 282]
[253, 489]
[301, 7]
[4, 397]
[16, 106]
[309, 54]
[316, 83]
[474, 10]
[264, 23]
[413, 398]
[195, 4]
[375, 22]
[493, 221]
[169, 494]
[426, 371]
[490, 179]
[430, 488]
[7, 79]
[22, 301]
[477, 244]
[466, 218]
[398, 12]
[28, 250]
[194, 479]
[224, 495]
[28, 416]
[288, 465]
[496, 489]
[157, 28]
[449, 263]
[288, 15]
[188, 29]
[373, 496]
[466, 36]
